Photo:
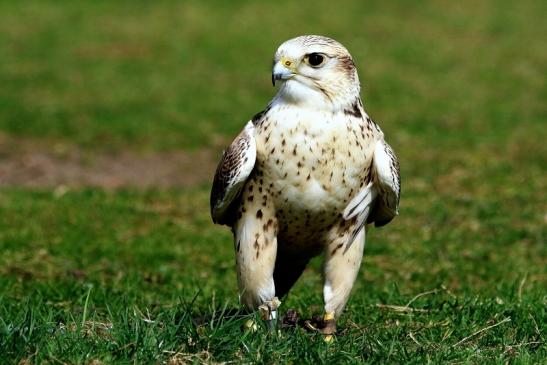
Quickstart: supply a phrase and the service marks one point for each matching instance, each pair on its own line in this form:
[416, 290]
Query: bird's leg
[340, 270]
[268, 312]
[329, 323]
[256, 250]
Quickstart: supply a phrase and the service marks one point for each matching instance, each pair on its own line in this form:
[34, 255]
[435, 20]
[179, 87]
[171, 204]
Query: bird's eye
[315, 59]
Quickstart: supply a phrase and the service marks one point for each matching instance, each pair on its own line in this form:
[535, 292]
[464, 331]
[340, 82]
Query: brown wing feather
[232, 172]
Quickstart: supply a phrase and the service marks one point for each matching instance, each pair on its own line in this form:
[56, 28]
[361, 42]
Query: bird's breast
[315, 161]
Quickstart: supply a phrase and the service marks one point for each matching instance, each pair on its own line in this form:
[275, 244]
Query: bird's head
[317, 71]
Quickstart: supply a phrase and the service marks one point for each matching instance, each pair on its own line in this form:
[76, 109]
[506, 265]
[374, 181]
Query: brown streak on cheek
[347, 64]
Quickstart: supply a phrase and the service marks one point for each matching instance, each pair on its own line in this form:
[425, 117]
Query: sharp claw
[329, 329]
[268, 312]
[265, 312]
[310, 326]
[325, 325]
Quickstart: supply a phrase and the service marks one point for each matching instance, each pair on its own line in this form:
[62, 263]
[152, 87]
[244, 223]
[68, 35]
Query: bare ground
[32, 163]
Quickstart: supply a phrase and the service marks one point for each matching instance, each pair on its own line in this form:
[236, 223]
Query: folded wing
[387, 179]
[232, 172]
[378, 202]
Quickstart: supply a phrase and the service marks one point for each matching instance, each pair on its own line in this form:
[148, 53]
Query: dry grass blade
[434, 291]
[400, 308]
[521, 286]
[411, 335]
[465, 339]
[181, 358]
[406, 308]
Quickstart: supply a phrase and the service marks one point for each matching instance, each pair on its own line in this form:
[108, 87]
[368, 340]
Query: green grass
[132, 276]
[163, 75]
[128, 276]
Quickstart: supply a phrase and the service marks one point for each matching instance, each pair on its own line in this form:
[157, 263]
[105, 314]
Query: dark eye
[315, 59]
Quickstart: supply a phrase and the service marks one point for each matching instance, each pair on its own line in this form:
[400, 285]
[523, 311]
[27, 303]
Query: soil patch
[35, 164]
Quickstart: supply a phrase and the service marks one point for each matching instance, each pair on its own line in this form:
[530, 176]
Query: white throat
[303, 93]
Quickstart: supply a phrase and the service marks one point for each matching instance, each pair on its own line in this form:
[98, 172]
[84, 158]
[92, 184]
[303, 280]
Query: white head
[316, 71]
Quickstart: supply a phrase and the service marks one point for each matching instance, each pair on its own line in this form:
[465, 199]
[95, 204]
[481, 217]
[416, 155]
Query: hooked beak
[284, 69]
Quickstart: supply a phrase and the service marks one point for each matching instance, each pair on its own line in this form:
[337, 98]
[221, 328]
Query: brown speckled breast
[308, 169]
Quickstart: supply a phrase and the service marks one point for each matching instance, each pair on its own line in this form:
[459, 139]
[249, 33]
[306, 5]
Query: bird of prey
[305, 177]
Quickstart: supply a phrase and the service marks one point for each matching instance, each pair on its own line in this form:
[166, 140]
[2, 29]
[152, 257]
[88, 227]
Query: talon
[329, 329]
[268, 310]
[310, 326]
[325, 325]
[265, 312]
[329, 324]
[275, 303]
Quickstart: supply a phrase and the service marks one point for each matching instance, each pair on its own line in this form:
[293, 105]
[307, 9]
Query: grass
[132, 276]
[117, 74]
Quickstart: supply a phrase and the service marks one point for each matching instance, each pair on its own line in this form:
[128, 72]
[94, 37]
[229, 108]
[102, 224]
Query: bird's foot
[325, 325]
[268, 312]
[329, 324]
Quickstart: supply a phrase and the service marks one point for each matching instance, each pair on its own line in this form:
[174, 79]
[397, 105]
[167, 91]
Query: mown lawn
[89, 275]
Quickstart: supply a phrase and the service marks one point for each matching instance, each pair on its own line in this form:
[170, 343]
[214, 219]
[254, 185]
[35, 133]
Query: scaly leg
[340, 270]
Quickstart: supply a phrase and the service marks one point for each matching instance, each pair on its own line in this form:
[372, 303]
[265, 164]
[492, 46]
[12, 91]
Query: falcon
[306, 176]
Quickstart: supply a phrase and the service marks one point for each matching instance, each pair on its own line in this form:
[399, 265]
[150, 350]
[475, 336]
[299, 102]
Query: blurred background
[113, 116]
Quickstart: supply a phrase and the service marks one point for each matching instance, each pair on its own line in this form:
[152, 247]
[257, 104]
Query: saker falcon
[305, 177]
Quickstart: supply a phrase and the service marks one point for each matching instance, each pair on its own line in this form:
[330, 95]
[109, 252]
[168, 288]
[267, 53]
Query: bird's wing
[387, 178]
[232, 172]
[378, 202]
